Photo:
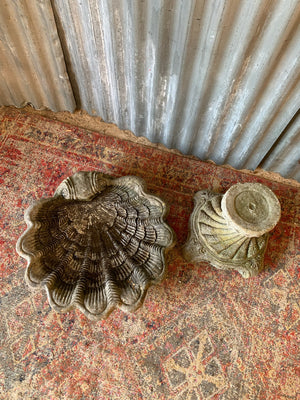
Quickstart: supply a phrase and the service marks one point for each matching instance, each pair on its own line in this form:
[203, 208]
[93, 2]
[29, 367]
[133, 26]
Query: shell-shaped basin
[98, 244]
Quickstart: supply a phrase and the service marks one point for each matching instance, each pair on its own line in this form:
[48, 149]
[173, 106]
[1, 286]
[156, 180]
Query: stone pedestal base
[230, 231]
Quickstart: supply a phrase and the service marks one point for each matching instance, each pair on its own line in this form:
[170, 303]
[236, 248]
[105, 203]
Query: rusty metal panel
[32, 66]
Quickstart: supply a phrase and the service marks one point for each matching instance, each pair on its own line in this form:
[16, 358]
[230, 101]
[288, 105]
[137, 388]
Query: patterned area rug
[202, 333]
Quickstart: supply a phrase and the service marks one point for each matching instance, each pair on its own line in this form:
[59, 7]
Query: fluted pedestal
[230, 231]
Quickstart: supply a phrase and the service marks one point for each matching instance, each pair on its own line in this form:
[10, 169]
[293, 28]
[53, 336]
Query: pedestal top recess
[251, 208]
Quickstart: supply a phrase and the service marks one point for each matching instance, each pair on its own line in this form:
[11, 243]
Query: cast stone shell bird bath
[98, 244]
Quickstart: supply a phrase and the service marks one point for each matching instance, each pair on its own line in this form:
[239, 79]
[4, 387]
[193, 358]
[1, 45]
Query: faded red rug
[201, 334]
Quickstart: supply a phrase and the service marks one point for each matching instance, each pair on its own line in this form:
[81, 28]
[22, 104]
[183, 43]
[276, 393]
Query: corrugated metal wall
[218, 79]
[32, 66]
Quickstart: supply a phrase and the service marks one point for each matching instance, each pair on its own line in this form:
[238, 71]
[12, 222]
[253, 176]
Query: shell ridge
[249, 250]
[155, 265]
[213, 222]
[233, 251]
[253, 247]
[111, 289]
[131, 259]
[225, 239]
[61, 295]
[32, 224]
[126, 256]
[30, 271]
[131, 182]
[241, 251]
[131, 297]
[78, 294]
[211, 213]
[34, 209]
[216, 205]
[95, 304]
[120, 251]
[141, 276]
[207, 229]
[50, 280]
